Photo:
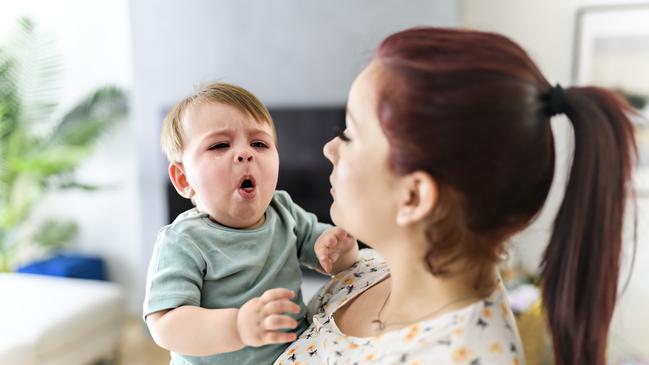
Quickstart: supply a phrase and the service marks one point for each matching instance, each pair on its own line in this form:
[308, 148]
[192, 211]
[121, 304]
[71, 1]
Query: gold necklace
[379, 325]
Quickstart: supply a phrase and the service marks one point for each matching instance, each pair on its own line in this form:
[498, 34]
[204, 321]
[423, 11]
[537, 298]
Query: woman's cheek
[344, 174]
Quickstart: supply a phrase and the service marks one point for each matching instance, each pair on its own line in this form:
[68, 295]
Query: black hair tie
[555, 101]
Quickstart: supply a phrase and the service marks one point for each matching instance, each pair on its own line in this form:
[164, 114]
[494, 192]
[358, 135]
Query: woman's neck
[414, 292]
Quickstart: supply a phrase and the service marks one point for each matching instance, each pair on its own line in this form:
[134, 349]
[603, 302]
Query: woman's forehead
[362, 95]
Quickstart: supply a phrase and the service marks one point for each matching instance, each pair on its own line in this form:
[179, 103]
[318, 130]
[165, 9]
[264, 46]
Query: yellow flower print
[487, 313]
[348, 280]
[416, 362]
[516, 361]
[353, 346]
[410, 336]
[291, 351]
[459, 331]
[496, 348]
[370, 357]
[461, 354]
[412, 333]
[503, 309]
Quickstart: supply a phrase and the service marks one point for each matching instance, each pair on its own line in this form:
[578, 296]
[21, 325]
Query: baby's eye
[259, 144]
[219, 146]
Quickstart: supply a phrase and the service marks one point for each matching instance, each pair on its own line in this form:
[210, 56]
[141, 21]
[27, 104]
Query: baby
[223, 285]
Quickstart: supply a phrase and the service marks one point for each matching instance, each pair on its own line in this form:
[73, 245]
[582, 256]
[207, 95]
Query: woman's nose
[329, 150]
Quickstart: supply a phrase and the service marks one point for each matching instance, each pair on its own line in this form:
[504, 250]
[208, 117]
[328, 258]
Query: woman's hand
[336, 250]
[260, 319]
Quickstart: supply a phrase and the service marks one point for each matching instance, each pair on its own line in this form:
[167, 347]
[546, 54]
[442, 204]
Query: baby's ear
[179, 180]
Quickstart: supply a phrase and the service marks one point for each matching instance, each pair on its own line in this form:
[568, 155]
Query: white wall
[290, 52]
[546, 30]
[93, 39]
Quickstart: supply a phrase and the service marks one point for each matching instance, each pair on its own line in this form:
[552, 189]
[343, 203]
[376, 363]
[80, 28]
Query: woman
[448, 152]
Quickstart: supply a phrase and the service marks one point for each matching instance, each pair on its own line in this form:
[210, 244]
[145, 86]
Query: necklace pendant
[377, 325]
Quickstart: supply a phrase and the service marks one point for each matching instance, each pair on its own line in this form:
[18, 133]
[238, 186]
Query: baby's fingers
[280, 306]
[277, 322]
[341, 234]
[276, 294]
[278, 337]
[326, 263]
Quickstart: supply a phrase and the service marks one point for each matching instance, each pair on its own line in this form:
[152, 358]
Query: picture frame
[611, 50]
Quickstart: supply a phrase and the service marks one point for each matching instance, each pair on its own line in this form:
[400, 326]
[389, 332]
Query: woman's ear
[419, 197]
[179, 180]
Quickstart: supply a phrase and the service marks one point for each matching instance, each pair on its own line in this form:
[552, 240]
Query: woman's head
[465, 109]
[468, 109]
[450, 130]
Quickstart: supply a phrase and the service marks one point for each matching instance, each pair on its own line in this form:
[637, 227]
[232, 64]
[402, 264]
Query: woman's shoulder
[368, 269]
[482, 333]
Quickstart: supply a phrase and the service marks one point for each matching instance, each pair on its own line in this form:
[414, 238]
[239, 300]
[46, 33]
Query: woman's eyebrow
[351, 116]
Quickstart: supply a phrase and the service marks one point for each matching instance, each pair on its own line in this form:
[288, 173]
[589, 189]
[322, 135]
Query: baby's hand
[260, 319]
[335, 244]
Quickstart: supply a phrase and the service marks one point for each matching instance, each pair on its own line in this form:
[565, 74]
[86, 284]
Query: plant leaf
[35, 73]
[52, 161]
[54, 234]
[85, 122]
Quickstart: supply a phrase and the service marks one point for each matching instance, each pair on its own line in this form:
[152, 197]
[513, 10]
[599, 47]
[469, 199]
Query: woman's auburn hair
[470, 108]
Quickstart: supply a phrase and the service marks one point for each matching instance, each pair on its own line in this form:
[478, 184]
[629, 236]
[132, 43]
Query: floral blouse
[483, 333]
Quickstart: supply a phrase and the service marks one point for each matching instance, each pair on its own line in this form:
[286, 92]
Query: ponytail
[581, 264]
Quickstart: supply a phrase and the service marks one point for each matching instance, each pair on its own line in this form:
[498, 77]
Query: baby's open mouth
[247, 184]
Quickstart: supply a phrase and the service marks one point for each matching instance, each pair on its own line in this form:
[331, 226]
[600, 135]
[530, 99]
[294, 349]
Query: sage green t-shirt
[197, 261]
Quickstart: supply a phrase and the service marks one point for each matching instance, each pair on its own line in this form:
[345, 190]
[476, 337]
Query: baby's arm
[336, 250]
[196, 331]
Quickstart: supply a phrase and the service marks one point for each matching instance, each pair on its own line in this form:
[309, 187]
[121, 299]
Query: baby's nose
[243, 156]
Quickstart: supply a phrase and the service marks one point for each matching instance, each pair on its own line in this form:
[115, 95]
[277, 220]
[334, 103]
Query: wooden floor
[138, 348]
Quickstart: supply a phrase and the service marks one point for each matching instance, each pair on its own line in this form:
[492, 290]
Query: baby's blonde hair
[171, 140]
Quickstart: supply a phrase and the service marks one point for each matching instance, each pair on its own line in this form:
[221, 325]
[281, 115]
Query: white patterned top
[482, 333]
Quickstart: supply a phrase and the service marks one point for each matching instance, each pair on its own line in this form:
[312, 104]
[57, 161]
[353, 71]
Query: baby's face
[231, 163]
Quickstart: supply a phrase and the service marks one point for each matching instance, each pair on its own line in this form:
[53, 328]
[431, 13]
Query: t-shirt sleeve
[175, 275]
[307, 230]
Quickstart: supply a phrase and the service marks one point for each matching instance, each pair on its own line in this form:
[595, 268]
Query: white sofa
[48, 320]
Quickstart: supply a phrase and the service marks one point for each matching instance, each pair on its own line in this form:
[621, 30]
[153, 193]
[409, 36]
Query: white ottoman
[48, 320]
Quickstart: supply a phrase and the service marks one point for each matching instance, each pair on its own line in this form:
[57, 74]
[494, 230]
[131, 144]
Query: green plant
[40, 147]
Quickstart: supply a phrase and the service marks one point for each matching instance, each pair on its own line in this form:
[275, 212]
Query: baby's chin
[242, 219]
[254, 224]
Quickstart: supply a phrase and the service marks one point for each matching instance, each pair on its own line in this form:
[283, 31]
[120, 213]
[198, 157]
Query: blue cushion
[68, 265]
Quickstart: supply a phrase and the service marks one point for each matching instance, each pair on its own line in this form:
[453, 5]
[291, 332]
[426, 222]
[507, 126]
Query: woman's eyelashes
[341, 133]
